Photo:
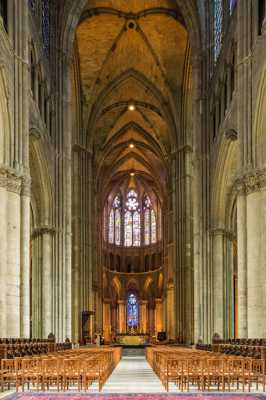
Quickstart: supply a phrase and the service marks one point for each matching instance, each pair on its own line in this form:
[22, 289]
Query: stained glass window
[159, 224]
[218, 22]
[132, 201]
[232, 4]
[128, 229]
[117, 202]
[147, 226]
[136, 217]
[33, 5]
[111, 226]
[136, 228]
[117, 227]
[153, 227]
[132, 311]
[46, 25]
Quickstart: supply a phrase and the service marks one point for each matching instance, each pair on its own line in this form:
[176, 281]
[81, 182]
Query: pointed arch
[5, 126]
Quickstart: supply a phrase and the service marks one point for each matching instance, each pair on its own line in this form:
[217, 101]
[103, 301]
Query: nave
[133, 374]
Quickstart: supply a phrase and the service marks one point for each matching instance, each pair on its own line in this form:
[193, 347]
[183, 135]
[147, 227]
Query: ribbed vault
[132, 56]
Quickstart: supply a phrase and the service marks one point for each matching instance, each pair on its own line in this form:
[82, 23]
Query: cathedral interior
[133, 170]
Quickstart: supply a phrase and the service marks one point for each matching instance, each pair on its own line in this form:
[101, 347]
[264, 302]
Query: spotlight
[131, 107]
[131, 145]
[132, 174]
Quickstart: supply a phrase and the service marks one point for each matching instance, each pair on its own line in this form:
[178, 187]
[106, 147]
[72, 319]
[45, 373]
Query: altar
[132, 340]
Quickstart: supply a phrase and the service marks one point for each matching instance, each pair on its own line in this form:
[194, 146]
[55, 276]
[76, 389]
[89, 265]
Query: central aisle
[133, 375]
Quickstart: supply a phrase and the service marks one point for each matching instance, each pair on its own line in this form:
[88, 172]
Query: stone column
[256, 236]
[143, 316]
[170, 311]
[158, 315]
[114, 318]
[25, 259]
[13, 256]
[3, 252]
[47, 279]
[251, 264]
[36, 278]
[107, 321]
[151, 321]
[121, 316]
[218, 280]
[242, 265]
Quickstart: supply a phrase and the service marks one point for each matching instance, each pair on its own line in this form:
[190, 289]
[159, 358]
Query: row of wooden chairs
[237, 350]
[75, 368]
[191, 368]
[243, 341]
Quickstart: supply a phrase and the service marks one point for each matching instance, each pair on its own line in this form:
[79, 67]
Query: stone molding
[15, 182]
[43, 230]
[10, 179]
[231, 135]
[251, 182]
[26, 186]
[77, 148]
[222, 232]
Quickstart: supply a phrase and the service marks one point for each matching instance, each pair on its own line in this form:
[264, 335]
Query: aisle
[133, 375]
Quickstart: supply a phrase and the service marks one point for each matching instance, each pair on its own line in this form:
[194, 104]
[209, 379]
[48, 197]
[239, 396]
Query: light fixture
[131, 145]
[132, 174]
[131, 107]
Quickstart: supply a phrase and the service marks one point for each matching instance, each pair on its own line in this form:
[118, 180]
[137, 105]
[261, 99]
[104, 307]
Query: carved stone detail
[13, 183]
[251, 182]
[43, 230]
[26, 186]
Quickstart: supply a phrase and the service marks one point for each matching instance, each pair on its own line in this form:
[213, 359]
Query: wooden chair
[31, 372]
[256, 374]
[51, 373]
[90, 372]
[9, 373]
[71, 373]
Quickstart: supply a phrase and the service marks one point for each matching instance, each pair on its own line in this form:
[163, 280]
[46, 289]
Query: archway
[224, 238]
[133, 126]
[41, 271]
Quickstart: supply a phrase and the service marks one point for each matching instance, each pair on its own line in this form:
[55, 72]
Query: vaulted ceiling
[132, 56]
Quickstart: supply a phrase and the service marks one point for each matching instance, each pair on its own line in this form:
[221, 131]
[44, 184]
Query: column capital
[13, 183]
[170, 285]
[43, 230]
[80, 149]
[218, 231]
[250, 182]
[143, 302]
[26, 186]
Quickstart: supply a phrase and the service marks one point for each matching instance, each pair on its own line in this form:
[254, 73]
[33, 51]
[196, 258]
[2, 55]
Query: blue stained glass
[232, 5]
[46, 25]
[132, 311]
[153, 227]
[111, 227]
[33, 5]
[218, 21]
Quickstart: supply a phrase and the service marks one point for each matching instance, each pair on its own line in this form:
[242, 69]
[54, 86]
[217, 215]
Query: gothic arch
[223, 179]
[41, 188]
[5, 128]
[259, 151]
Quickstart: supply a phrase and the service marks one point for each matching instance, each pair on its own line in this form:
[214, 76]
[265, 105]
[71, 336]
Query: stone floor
[133, 375]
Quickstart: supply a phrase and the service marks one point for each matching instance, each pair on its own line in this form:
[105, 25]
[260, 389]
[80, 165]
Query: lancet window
[218, 26]
[132, 311]
[133, 222]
